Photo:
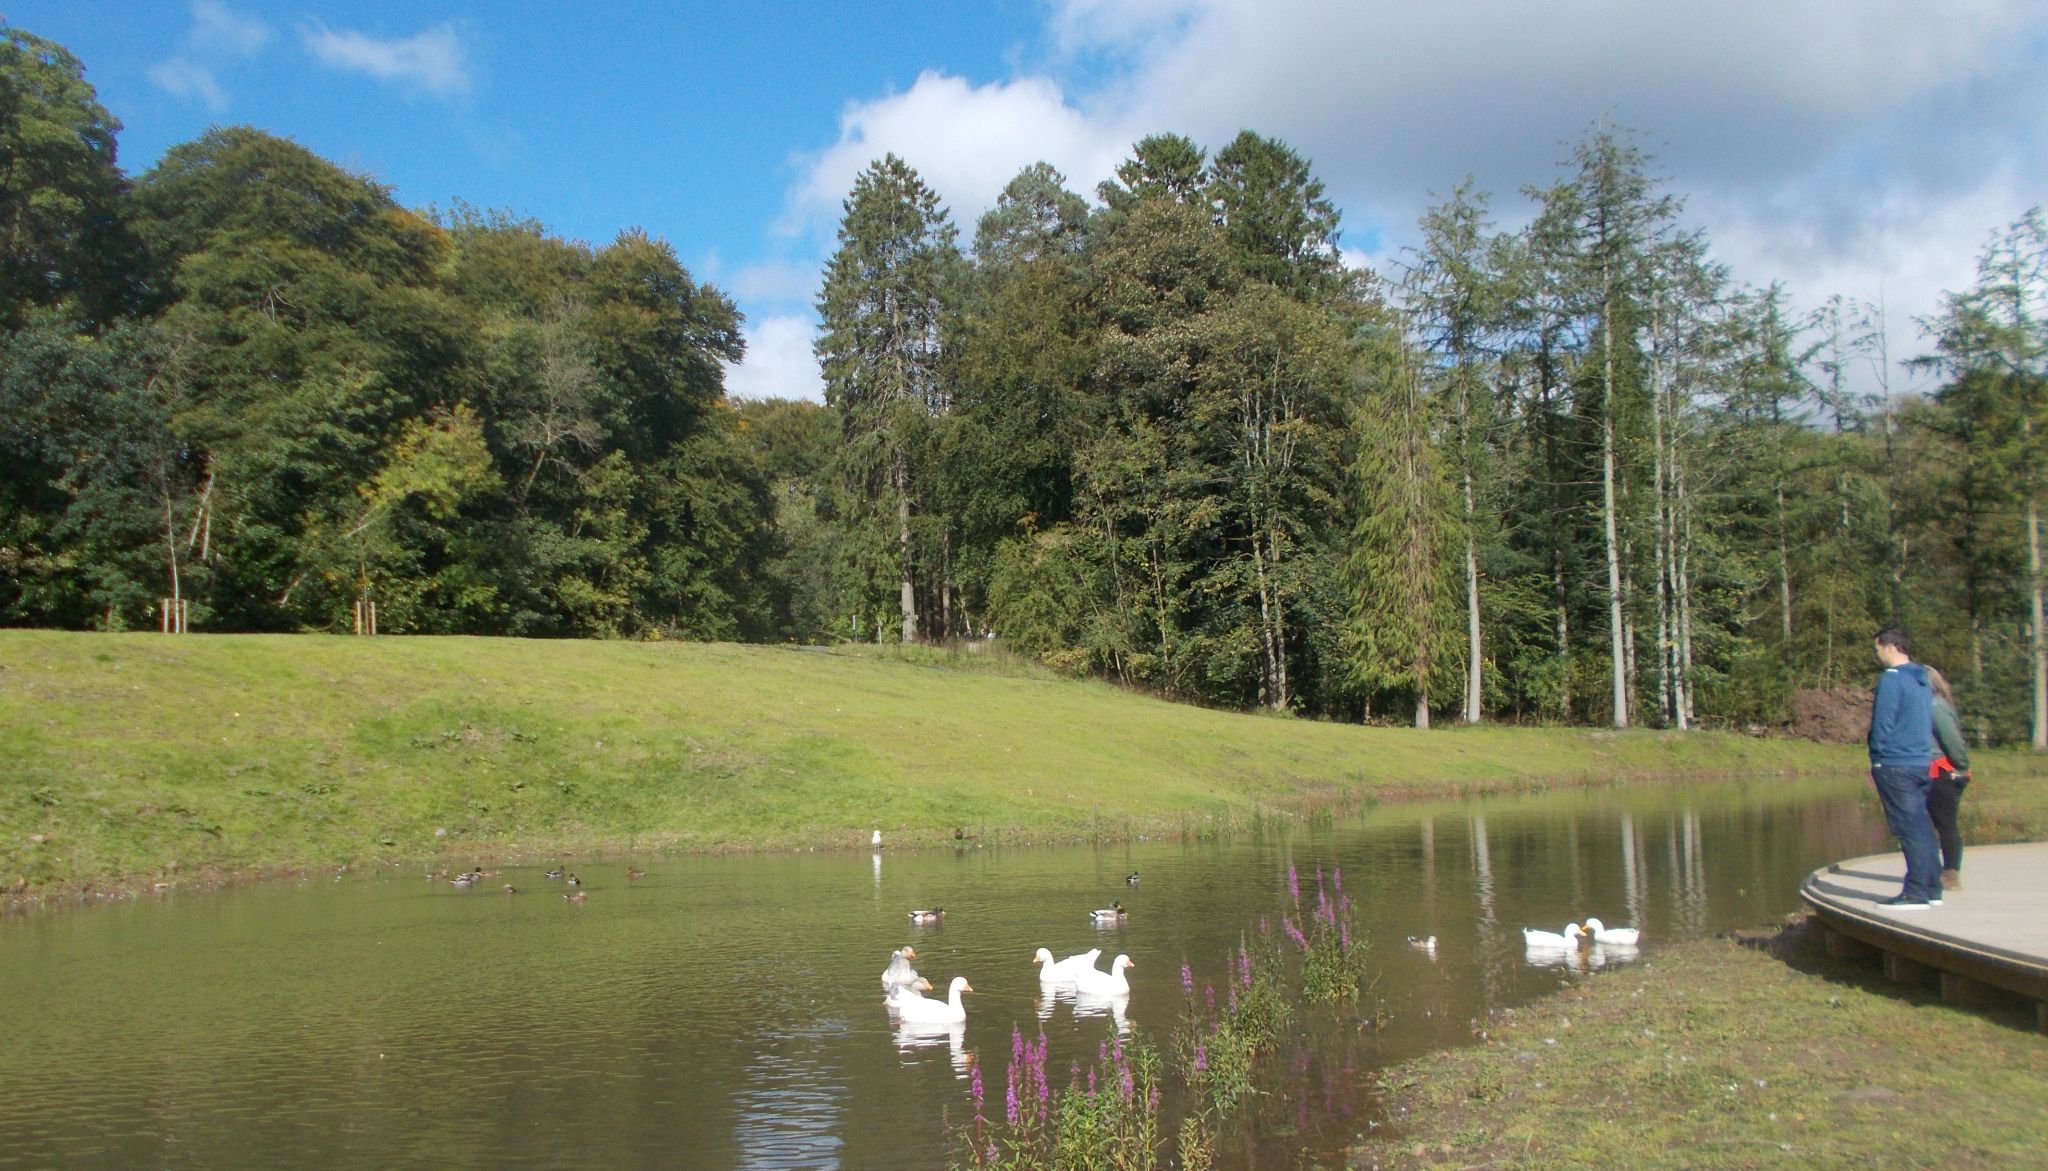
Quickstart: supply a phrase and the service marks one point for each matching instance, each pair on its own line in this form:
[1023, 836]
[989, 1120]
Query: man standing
[1901, 746]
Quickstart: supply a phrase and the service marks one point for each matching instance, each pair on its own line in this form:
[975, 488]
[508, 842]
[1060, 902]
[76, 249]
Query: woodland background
[1563, 472]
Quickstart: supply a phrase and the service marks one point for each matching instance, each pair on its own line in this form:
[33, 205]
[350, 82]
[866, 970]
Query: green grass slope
[127, 757]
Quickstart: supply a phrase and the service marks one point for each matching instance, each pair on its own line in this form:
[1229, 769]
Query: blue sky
[1866, 147]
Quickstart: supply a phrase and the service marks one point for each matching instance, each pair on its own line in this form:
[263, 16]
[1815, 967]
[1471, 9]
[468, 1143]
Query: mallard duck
[1619, 936]
[923, 1010]
[1112, 913]
[1093, 982]
[634, 872]
[572, 880]
[1051, 971]
[464, 880]
[509, 889]
[576, 896]
[1131, 879]
[555, 873]
[931, 916]
[1571, 937]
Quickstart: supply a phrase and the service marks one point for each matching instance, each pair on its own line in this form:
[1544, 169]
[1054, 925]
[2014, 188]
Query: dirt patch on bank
[1839, 716]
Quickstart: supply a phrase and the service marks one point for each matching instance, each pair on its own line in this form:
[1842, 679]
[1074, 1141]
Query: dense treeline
[1566, 472]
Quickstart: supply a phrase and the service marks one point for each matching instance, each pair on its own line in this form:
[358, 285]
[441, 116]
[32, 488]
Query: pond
[726, 1012]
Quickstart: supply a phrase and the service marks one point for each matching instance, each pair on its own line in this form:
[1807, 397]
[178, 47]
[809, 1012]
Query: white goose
[1051, 971]
[1534, 939]
[1093, 982]
[915, 1009]
[1621, 936]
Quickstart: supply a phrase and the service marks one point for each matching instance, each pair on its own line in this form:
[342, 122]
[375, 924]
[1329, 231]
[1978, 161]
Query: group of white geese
[1600, 942]
[903, 989]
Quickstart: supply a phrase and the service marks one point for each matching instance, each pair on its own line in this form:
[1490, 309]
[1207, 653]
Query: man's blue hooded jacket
[1902, 718]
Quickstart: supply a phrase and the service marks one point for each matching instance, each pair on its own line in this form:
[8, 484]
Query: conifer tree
[885, 295]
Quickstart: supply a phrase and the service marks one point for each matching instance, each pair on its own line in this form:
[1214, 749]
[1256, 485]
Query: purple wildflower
[1344, 935]
[1209, 995]
[1293, 883]
[1294, 933]
[975, 1089]
[1338, 877]
[1010, 1109]
[1187, 978]
[1244, 967]
[1091, 1083]
[1201, 1057]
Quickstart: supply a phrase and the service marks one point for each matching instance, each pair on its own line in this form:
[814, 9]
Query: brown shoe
[1951, 880]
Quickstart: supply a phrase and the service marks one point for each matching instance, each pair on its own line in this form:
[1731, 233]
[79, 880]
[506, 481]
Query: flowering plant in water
[1105, 1116]
[1332, 957]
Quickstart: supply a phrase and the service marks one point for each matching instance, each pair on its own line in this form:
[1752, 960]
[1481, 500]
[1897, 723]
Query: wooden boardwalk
[1993, 932]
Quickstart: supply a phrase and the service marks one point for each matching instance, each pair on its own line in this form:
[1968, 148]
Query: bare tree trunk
[1269, 688]
[1684, 583]
[2040, 639]
[1617, 635]
[1286, 698]
[1784, 575]
[1661, 540]
[177, 606]
[1474, 660]
[907, 585]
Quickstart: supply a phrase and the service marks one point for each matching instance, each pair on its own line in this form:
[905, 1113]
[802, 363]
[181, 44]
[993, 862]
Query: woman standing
[1950, 773]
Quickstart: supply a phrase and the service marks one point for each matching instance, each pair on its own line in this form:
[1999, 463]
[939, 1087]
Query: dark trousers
[1903, 792]
[1944, 798]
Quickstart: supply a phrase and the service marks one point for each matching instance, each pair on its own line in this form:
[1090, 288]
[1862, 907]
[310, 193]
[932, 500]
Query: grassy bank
[1731, 1053]
[131, 757]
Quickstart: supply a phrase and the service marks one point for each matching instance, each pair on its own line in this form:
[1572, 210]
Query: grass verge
[1756, 1051]
[137, 758]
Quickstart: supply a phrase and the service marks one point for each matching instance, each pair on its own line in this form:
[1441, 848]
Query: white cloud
[434, 61]
[217, 34]
[781, 282]
[779, 362]
[1865, 147]
[184, 79]
[218, 29]
[966, 141]
[1858, 146]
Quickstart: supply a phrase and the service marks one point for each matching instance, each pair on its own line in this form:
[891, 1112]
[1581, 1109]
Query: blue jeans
[1903, 791]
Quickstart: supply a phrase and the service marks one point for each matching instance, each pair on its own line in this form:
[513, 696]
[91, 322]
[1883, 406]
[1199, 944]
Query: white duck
[1621, 936]
[1051, 971]
[915, 1009]
[1092, 982]
[1572, 934]
[899, 973]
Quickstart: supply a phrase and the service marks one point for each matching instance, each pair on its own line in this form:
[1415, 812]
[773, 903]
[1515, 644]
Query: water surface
[726, 1012]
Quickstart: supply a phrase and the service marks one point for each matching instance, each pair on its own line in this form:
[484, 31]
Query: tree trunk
[1784, 575]
[1474, 661]
[906, 582]
[1617, 636]
[2040, 639]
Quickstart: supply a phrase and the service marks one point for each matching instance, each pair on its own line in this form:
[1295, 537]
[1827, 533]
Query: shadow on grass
[1799, 946]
